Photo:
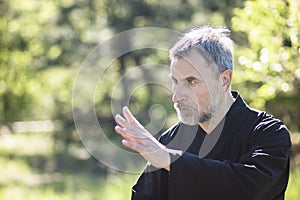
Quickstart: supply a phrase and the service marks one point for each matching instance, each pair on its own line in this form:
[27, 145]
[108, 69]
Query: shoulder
[267, 122]
[270, 129]
[263, 121]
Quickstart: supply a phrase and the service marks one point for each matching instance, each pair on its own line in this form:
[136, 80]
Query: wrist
[173, 155]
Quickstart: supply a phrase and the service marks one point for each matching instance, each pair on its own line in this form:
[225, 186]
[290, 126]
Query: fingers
[128, 135]
[127, 128]
[132, 145]
[129, 120]
[131, 130]
[137, 138]
[121, 121]
[119, 130]
[129, 116]
[129, 140]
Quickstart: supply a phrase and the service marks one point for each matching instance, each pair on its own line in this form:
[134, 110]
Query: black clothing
[250, 160]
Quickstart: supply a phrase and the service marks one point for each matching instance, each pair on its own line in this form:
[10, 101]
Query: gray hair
[212, 42]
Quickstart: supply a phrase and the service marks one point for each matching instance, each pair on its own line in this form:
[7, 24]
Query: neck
[222, 109]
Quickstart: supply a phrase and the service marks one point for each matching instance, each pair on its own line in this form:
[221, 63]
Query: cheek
[202, 97]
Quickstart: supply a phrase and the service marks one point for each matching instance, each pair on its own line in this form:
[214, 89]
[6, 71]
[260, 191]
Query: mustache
[181, 105]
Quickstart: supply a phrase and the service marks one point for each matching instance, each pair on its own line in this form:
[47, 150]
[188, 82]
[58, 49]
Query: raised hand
[137, 138]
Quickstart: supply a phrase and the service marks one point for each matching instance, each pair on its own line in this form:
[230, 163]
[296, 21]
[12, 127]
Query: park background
[43, 43]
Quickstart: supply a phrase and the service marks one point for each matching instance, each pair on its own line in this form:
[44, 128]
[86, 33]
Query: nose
[178, 94]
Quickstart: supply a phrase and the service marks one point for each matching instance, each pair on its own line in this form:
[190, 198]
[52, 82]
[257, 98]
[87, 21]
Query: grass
[67, 187]
[28, 172]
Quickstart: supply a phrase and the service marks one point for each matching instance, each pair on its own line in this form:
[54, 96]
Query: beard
[192, 116]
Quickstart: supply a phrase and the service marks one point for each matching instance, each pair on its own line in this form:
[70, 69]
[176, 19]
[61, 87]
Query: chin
[189, 121]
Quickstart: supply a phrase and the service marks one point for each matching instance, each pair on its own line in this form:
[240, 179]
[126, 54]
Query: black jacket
[245, 157]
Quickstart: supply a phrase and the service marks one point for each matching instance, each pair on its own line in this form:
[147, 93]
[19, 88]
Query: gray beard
[195, 119]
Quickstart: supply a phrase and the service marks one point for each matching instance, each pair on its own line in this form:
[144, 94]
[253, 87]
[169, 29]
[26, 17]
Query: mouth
[182, 107]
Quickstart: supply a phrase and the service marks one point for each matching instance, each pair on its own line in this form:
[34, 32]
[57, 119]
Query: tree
[270, 74]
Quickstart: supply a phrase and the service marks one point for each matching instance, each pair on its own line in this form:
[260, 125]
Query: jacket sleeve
[153, 182]
[151, 185]
[261, 173]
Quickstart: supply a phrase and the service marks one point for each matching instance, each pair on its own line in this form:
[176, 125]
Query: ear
[225, 78]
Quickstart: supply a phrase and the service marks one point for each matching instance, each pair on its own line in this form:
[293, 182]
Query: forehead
[194, 64]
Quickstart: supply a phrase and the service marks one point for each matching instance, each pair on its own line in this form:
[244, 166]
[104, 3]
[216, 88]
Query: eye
[191, 81]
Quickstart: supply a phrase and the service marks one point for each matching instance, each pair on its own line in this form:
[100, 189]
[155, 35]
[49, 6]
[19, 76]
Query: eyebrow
[191, 78]
[186, 78]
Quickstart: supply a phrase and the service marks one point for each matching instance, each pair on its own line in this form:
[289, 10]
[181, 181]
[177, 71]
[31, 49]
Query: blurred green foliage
[267, 71]
[43, 44]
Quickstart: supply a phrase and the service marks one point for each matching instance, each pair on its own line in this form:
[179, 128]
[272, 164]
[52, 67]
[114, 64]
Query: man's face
[196, 89]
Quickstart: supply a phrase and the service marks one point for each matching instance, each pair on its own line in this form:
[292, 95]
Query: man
[220, 148]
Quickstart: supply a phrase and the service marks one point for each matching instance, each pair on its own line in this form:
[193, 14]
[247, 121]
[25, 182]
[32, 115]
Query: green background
[43, 43]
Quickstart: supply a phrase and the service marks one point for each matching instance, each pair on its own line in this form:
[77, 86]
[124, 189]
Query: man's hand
[137, 138]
